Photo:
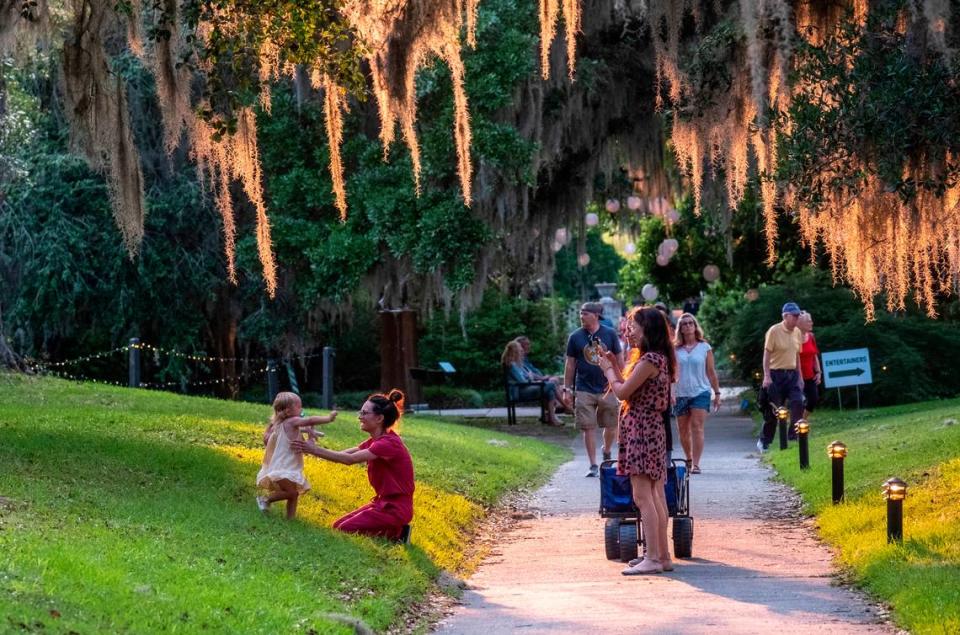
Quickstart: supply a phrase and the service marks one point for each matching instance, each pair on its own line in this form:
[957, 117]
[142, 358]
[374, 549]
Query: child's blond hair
[285, 405]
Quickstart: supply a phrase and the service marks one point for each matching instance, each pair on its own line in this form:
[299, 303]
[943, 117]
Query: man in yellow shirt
[781, 370]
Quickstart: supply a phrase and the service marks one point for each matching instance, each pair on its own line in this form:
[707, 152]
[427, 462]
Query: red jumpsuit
[391, 475]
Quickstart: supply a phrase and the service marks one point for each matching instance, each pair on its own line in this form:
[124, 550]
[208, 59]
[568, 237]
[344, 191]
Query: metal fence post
[133, 363]
[329, 353]
[273, 382]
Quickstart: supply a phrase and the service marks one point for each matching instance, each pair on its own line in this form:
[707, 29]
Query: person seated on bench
[532, 370]
[512, 360]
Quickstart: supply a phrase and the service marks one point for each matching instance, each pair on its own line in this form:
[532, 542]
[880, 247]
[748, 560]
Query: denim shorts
[684, 404]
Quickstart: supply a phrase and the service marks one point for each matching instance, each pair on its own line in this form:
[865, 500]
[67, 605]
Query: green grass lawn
[133, 511]
[920, 443]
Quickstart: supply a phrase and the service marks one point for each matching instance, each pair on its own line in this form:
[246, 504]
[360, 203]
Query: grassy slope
[920, 443]
[132, 511]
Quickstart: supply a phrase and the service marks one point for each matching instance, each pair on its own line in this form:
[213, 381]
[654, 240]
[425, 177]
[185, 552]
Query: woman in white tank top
[697, 378]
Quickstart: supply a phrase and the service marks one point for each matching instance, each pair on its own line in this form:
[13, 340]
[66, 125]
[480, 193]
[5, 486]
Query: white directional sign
[846, 368]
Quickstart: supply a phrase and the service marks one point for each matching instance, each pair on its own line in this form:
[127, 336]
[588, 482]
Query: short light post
[783, 414]
[894, 490]
[837, 451]
[803, 430]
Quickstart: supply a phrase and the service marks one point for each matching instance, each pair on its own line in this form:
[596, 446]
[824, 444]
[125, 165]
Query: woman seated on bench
[512, 360]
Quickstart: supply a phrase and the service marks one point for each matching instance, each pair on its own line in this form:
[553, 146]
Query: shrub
[451, 397]
[907, 351]
[475, 349]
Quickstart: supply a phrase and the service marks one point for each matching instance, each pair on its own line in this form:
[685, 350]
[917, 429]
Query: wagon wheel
[683, 536]
[628, 541]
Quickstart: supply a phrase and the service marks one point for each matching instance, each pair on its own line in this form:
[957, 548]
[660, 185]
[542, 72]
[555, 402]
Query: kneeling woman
[389, 469]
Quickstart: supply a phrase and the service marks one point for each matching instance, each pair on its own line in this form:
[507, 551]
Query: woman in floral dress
[645, 393]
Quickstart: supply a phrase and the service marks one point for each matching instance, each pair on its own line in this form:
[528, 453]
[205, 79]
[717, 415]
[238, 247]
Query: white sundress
[281, 462]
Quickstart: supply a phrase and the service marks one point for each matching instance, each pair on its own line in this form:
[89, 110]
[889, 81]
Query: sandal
[644, 567]
[695, 469]
[666, 563]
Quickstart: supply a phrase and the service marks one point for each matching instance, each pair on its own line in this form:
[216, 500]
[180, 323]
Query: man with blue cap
[781, 370]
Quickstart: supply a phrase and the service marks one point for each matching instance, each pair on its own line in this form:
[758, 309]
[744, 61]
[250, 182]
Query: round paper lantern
[672, 215]
[583, 260]
[649, 292]
[663, 259]
[613, 205]
[634, 202]
[711, 273]
[556, 246]
[592, 219]
[751, 295]
[562, 236]
[630, 248]
[671, 245]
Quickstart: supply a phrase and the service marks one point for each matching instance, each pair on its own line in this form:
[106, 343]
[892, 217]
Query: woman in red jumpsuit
[389, 469]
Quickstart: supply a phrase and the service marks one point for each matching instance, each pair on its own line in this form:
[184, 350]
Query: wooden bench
[512, 392]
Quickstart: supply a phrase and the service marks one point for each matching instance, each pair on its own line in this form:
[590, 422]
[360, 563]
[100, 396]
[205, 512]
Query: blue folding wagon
[622, 533]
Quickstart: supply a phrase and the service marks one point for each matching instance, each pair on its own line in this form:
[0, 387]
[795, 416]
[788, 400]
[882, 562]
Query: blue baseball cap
[790, 308]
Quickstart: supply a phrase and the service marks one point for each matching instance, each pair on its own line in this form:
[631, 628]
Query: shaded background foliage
[68, 288]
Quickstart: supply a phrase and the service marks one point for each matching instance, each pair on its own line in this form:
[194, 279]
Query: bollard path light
[837, 451]
[894, 490]
[803, 430]
[783, 414]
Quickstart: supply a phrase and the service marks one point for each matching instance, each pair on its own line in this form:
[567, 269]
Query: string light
[49, 368]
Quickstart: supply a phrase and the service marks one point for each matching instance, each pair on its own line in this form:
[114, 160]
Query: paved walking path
[756, 568]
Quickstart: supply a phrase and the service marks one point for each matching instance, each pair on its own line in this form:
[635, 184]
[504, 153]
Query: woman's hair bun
[395, 395]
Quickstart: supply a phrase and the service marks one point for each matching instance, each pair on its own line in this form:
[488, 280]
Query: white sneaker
[760, 447]
[262, 503]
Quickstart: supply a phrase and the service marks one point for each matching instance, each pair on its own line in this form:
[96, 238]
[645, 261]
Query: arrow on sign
[852, 372]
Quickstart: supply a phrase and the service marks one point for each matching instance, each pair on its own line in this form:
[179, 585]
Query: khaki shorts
[595, 411]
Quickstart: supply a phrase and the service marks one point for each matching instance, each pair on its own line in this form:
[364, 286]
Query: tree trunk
[9, 359]
[222, 330]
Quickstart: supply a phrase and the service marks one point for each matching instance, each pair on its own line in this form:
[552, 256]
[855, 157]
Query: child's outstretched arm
[303, 422]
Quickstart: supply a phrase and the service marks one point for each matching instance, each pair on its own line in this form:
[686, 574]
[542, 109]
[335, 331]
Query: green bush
[907, 351]
[475, 349]
[347, 400]
[452, 397]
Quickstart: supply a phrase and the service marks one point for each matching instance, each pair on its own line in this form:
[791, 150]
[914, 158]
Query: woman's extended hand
[303, 447]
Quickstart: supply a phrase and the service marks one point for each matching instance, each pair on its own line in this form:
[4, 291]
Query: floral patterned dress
[643, 443]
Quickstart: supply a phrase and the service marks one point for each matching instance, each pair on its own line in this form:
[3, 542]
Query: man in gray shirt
[596, 407]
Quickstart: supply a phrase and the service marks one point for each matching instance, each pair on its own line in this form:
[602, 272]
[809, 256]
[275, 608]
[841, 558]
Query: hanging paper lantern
[630, 248]
[613, 205]
[672, 216]
[562, 236]
[634, 202]
[583, 260]
[663, 260]
[671, 245]
[556, 246]
[649, 292]
[592, 219]
[711, 273]
[751, 295]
